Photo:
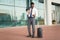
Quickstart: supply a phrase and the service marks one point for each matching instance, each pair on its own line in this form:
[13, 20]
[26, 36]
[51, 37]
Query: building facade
[52, 11]
[16, 9]
[48, 11]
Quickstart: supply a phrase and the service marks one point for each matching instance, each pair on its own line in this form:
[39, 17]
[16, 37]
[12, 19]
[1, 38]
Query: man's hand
[33, 15]
[28, 12]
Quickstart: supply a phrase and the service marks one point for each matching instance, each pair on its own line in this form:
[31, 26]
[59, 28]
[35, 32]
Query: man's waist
[30, 16]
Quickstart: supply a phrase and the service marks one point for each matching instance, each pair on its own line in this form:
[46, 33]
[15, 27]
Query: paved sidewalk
[20, 33]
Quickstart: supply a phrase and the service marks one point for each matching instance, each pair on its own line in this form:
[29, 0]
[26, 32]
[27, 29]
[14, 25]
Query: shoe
[32, 36]
[29, 36]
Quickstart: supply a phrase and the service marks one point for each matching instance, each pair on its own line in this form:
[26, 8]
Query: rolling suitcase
[39, 32]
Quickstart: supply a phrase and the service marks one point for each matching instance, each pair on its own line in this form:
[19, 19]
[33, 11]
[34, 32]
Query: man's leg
[33, 27]
[29, 30]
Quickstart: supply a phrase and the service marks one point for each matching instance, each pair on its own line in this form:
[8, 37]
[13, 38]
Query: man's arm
[28, 12]
[35, 13]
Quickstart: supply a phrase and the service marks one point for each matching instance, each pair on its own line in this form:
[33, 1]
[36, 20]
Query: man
[31, 14]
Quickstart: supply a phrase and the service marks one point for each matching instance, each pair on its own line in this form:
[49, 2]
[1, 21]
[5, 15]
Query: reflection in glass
[7, 10]
[7, 2]
[20, 12]
[21, 3]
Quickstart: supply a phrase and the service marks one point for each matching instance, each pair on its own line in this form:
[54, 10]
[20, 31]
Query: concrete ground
[20, 33]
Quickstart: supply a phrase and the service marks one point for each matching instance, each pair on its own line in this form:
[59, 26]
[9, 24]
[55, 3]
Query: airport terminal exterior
[14, 11]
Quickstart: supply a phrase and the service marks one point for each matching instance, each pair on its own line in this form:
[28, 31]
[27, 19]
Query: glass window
[13, 10]
[7, 2]
[7, 10]
[6, 15]
[21, 3]
[20, 13]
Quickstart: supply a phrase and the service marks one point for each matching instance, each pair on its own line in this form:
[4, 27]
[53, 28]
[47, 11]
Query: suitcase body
[39, 32]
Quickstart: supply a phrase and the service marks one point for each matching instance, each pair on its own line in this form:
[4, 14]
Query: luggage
[39, 32]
